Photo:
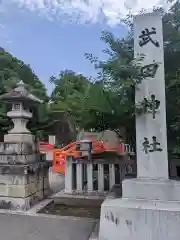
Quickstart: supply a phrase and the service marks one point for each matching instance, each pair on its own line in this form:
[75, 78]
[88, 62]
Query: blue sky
[52, 36]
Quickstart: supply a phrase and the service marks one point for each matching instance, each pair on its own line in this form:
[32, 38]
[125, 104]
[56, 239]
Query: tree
[68, 93]
[171, 24]
[85, 100]
[119, 75]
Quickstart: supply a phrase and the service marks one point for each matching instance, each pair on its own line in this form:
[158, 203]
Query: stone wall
[23, 186]
[23, 176]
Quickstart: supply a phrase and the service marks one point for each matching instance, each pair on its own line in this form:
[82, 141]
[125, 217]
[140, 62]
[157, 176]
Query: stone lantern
[23, 173]
[85, 147]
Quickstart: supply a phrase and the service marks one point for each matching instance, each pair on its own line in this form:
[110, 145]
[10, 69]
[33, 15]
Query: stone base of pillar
[135, 219]
[150, 208]
[151, 189]
[22, 186]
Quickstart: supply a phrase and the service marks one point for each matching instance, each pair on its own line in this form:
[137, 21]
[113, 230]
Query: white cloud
[86, 10]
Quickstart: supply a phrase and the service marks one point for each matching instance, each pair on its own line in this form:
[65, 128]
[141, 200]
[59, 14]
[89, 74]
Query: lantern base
[19, 137]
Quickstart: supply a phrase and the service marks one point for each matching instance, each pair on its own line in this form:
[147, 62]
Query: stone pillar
[111, 175]
[89, 177]
[49, 154]
[52, 139]
[150, 204]
[84, 173]
[79, 177]
[151, 137]
[101, 178]
[68, 176]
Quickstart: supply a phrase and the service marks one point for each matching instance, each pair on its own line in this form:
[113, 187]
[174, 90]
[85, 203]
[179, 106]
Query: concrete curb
[95, 232]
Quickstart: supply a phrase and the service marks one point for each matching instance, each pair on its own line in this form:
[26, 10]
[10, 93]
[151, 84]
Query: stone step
[75, 201]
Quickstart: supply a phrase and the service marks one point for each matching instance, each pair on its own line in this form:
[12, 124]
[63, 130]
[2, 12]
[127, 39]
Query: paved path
[23, 227]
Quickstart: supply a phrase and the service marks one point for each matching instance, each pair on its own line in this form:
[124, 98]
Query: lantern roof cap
[20, 93]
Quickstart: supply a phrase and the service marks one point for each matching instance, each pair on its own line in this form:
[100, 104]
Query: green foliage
[68, 93]
[171, 24]
[97, 99]
[12, 70]
[120, 74]
[84, 100]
